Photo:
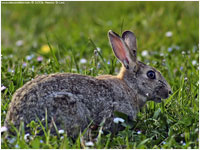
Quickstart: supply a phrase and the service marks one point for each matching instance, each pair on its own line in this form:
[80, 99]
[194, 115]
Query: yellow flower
[45, 49]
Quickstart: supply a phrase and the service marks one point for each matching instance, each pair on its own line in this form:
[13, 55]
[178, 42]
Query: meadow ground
[167, 34]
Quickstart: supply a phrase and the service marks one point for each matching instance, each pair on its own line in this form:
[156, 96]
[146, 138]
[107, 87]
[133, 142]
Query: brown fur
[74, 100]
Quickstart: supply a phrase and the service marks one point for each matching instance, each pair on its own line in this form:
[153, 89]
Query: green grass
[74, 30]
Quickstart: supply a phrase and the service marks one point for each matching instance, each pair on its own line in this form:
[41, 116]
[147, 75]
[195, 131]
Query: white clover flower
[74, 69]
[161, 54]
[163, 142]
[10, 56]
[41, 141]
[117, 120]
[26, 136]
[33, 68]
[98, 65]
[29, 57]
[194, 62]
[16, 146]
[139, 132]
[100, 131]
[61, 131]
[145, 53]
[183, 52]
[90, 143]
[3, 129]
[39, 58]
[177, 47]
[195, 48]
[24, 64]
[19, 43]
[11, 70]
[168, 34]
[83, 61]
[11, 140]
[170, 49]
[3, 88]
[96, 53]
[98, 49]
[62, 137]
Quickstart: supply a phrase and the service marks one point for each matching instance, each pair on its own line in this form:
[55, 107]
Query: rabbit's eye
[151, 74]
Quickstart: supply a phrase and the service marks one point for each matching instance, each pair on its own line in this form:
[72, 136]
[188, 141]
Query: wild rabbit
[72, 101]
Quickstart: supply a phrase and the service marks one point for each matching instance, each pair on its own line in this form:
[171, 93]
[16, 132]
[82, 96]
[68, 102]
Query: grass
[42, 39]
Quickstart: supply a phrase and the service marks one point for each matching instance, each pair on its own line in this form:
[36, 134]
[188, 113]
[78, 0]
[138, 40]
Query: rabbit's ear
[130, 40]
[120, 49]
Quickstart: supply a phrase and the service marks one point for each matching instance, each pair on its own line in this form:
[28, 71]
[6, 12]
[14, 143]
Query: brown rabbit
[74, 100]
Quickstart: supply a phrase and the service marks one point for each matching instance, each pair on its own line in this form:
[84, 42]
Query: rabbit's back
[71, 100]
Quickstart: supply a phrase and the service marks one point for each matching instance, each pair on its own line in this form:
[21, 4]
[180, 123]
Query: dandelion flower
[45, 49]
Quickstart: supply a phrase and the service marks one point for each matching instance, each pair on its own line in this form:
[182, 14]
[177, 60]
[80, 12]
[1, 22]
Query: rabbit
[73, 101]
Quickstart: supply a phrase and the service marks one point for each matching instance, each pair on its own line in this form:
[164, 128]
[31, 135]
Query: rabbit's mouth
[157, 99]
